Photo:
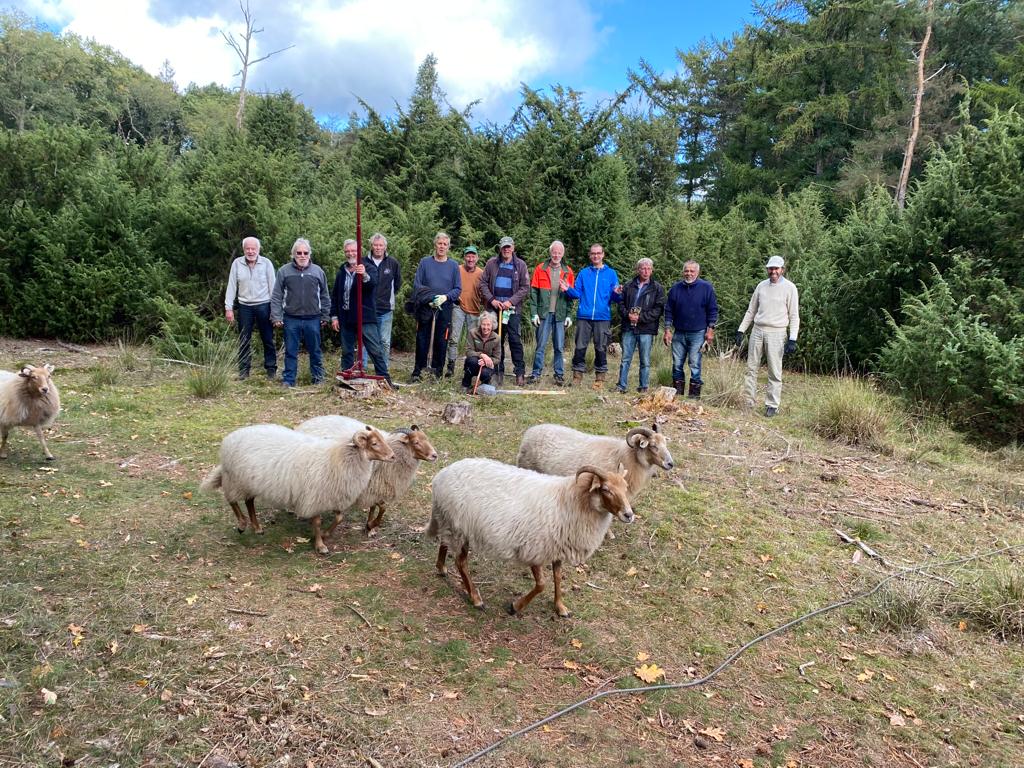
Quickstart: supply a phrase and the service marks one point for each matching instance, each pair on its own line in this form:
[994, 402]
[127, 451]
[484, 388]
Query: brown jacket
[477, 345]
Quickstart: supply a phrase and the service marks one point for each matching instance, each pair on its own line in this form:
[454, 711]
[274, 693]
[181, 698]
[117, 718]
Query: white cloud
[346, 48]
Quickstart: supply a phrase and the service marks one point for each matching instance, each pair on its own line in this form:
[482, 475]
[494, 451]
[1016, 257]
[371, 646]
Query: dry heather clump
[723, 381]
[852, 412]
[901, 605]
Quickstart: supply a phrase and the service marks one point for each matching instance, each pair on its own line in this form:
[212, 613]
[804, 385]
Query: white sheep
[521, 515]
[307, 474]
[557, 450]
[28, 398]
[388, 482]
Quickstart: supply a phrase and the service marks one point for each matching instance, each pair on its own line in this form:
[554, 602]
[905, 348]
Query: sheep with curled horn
[517, 514]
[558, 450]
[28, 398]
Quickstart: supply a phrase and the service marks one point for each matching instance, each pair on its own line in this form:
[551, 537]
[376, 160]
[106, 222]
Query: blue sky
[370, 49]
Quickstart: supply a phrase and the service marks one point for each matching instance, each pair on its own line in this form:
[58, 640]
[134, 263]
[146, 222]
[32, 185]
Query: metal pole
[358, 365]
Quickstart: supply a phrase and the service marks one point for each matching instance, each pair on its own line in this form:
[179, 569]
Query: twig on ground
[803, 668]
[873, 554]
[357, 613]
[246, 612]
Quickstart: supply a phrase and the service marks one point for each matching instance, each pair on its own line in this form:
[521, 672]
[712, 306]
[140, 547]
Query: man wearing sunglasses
[301, 304]
[774, 306]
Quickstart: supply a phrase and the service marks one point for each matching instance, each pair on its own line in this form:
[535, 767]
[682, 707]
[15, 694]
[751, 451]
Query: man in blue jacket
[595, 287]
[691, 312]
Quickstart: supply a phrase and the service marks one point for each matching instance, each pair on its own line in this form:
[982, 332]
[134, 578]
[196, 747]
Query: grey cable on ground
[734, 655]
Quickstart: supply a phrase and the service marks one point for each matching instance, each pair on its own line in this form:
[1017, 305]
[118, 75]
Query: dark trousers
[598, 331]
[510, 333]
[371, 347]
[441, 320]
[258, 316]
[469, 371]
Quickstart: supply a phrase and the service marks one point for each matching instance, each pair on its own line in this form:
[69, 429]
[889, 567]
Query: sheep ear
[654, 427]
[622, 469]
[25, 373]
[49, 368]
[360, 439]
[414, 428]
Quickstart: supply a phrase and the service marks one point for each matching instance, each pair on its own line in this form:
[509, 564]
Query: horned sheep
[307, 474]
[388, 482]
[521, 515]
[558, 450]
[28, 398]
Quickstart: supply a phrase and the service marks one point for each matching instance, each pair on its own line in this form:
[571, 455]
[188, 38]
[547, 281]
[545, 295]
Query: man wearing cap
[551, 309]
[774, 306]
[503, 286]
[465, 314]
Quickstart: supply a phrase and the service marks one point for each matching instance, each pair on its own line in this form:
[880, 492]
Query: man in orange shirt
[467, 313]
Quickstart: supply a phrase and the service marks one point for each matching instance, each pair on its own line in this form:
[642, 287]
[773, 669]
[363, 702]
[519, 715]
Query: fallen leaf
[301, 540]
[570, 664]
[713, 733]
[375, 712]
[49, 697]
[315, 588]
[856, 556]
[138, 629]
[165, 694]
[75, 520]
[962, 626]
[745, 763]
[642, 656]
[866, 675]
[191, 599]
[575, 643]
[649, 673]
[766, 558]
[632, 571]
[896, 719]
[113, 648]
[105, 484]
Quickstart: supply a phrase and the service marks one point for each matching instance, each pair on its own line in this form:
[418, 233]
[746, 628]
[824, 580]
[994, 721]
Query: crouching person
[481, 351]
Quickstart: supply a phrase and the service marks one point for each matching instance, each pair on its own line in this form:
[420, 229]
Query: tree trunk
[915, 126]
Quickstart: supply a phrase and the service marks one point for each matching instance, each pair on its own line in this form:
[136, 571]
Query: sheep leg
[374, 521]
[519, 605]
[4, 432]
[240, 521]
[318, 539]
[471, 590]
[250, 505]
[442, 559]
[332, 526]
[42, 442]
[556, 576]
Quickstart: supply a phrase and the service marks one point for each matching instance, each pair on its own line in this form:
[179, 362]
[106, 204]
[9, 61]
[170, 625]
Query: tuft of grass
[211, 360]
[127, 354]
[852, 412]
[723, 381]
[900, 606]
[993, 601]
[104, 375]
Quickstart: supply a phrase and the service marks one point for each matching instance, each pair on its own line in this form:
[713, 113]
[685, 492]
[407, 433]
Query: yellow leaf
[49, 697]
[642, 656]
[113, 648]
[649, 673]
[962, 626]
[191, 599]
[745, 763]
[142, 682]
[631, 572]
[778, 469]
[570, 664]
[187, 495]
[715, 733]
[138, 629]
[866, 675]
[766, 558]
[575, 643]
[105, 484]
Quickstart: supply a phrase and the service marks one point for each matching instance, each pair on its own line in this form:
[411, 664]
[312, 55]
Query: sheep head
[650, 447]
[372, 445]
[37, 378]
[607, 492]
[417, 441]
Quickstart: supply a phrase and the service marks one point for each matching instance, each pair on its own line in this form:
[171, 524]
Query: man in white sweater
[250, 283]
[774, 306]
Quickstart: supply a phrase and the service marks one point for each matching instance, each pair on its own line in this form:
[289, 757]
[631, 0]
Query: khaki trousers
[770, 341]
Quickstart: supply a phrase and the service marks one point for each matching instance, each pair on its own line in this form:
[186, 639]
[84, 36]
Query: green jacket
[541, 288]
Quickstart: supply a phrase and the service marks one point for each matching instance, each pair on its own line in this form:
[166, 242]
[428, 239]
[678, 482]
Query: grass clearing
[168, 639]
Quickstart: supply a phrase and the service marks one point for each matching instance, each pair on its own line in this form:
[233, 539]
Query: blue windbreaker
[594, 290]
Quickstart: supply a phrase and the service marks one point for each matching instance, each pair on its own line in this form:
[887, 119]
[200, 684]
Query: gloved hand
[790, 347]
[536, 320]
[438, 301]
[738, 338]
[568, 323]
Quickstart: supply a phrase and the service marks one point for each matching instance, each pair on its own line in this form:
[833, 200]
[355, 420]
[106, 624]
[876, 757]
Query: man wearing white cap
[774, 306]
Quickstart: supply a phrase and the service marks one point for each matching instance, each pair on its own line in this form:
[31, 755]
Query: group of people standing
[489, 303]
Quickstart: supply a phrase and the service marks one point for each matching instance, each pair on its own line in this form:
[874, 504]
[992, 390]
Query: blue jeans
[304, 330]
[687, 344]
[549, 326]
[630, 341]
[258, 316]
[371, 348]
[384, 320]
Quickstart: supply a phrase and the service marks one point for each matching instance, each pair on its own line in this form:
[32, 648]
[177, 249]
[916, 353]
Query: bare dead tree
[243, 51]
[915, 126]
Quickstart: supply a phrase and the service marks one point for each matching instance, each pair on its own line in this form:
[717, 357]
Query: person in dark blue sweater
[436, 287]
[691, 313]
[344, 310]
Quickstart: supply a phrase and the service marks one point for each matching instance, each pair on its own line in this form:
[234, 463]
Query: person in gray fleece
[301, 304]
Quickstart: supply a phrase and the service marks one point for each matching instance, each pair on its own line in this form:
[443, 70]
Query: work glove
[738, 338]
[568, 323]
[790, 347]
[438, 301]
[536, 320]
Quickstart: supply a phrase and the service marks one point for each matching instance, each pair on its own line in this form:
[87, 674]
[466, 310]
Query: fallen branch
[357, 613]
[874, 555]
[245, 612]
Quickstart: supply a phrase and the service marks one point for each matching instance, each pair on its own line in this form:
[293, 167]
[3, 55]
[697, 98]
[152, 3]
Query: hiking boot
[415, 378]
[451, 369]
[598, 380]
[695, 390]
[534, 378]
[577, 378]
[680, 386]
[620, 389]
[642, 390]
[559, 380]
[769, 411]
[520, 380]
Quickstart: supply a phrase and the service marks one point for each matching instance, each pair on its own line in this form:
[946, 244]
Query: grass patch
[723, 382]
[104, 375]
[850, 411]
[992, 600]
[901, 605]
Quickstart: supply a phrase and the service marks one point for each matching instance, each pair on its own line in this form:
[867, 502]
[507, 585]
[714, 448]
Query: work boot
[680, 386]
[451, 369]
[534, 378]
[559, 380]
[694, 390]
[769, 411]
[598, 380]
[577, 378]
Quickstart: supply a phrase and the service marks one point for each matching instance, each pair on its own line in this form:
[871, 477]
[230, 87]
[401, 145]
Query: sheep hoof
[441, 574]
[480, 607]
[259, 531]
[240, 530]
[51, 458]
[511, 609]
[565, 613]
[323, 550]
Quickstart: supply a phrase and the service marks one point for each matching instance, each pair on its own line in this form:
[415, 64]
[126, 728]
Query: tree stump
[455, 413]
